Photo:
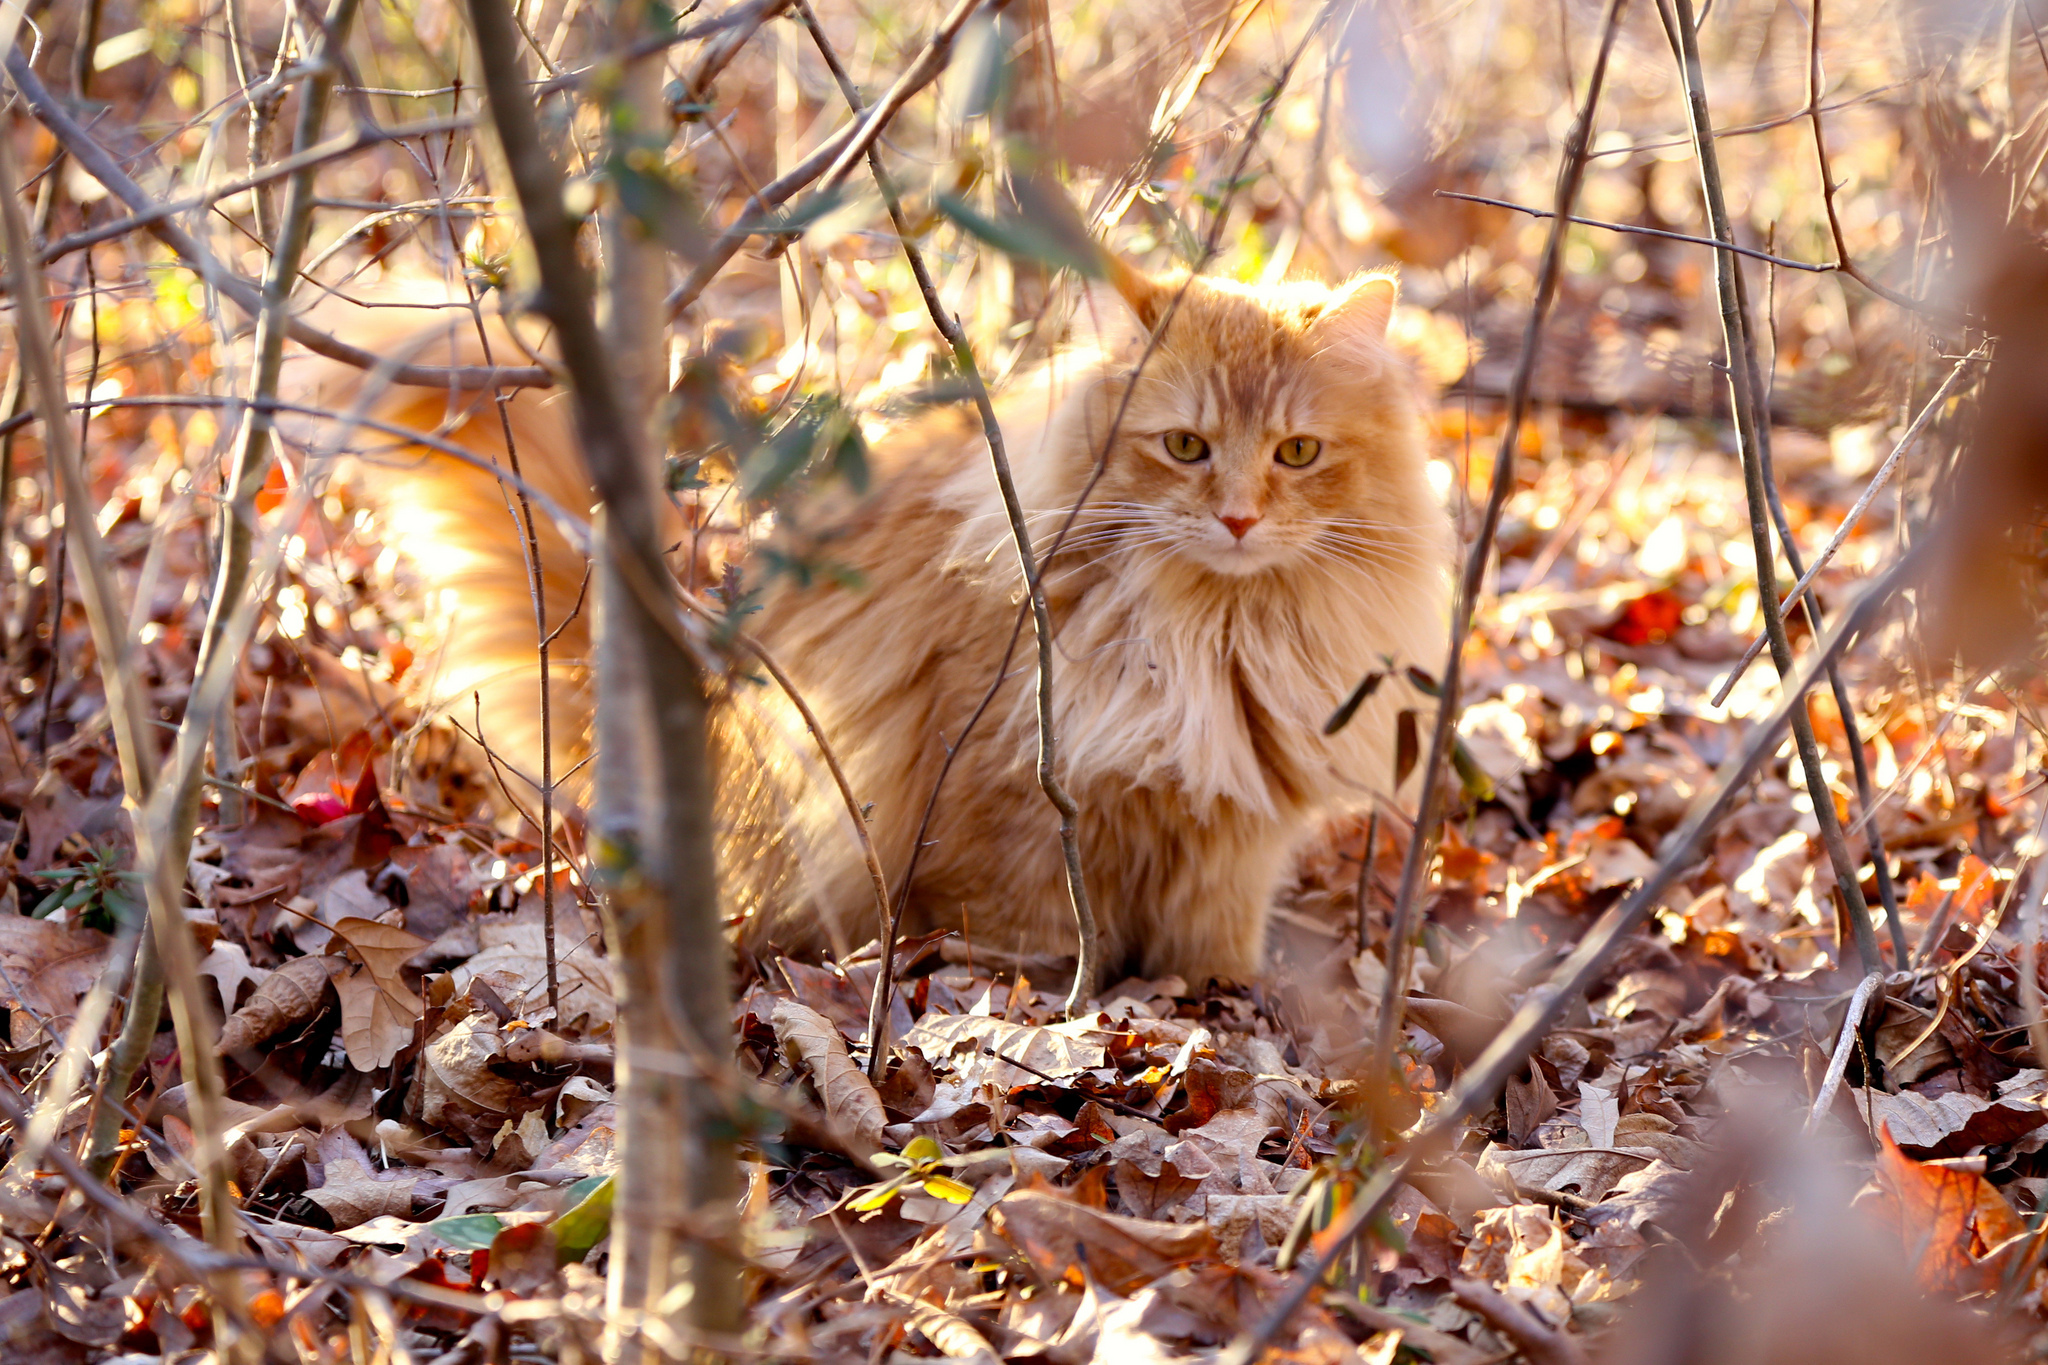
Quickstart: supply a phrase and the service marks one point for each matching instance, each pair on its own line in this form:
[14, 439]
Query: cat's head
[1270, 427]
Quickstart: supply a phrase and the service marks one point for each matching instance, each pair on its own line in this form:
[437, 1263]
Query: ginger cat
[1263, 535]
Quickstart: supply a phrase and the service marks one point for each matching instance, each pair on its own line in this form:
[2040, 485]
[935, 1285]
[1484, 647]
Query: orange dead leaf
[1650, 619]
[1954, 1223]
[1053, 1232]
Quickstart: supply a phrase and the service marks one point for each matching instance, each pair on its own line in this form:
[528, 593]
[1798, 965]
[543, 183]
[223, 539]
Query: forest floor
[410, 1112]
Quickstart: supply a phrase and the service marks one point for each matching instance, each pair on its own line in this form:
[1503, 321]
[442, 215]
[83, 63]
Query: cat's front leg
[1208, 917]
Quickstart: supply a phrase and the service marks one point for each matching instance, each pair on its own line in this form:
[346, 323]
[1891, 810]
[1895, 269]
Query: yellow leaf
[920, 1150]
[876, 1198]
[946, 1188]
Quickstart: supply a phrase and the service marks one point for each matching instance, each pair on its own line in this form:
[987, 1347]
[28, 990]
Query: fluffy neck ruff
[1173, 677]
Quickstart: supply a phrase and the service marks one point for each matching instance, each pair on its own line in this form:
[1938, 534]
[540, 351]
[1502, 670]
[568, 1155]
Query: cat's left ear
[1360, 307]
[1143, 293]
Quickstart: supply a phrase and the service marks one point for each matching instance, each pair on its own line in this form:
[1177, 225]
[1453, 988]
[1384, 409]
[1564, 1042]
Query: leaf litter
[1134, 1183]
[407, 1109]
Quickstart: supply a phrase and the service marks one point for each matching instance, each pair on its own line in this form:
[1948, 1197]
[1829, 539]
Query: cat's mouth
[1238, 557]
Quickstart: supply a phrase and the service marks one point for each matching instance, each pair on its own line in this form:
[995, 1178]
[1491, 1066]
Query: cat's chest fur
[1215, 691]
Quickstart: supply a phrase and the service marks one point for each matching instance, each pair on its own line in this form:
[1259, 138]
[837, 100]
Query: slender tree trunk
[672, 1279]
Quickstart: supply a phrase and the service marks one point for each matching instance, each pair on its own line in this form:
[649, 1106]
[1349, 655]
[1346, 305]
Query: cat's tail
[450, 506]
[481, 554]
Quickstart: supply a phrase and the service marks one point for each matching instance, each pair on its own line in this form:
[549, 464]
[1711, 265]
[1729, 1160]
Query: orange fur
[1194, 669]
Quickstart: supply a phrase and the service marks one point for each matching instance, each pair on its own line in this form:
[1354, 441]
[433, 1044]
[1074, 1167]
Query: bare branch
[1401, 925]
[238, 289]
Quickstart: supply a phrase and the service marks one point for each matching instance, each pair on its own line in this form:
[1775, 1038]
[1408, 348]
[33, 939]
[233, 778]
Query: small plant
[100, 892]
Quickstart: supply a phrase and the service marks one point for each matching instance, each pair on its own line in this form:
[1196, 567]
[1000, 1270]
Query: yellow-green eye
[1297, 452]
[1186, 447]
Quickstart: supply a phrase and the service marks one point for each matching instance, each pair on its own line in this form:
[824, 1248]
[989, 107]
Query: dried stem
[239, 290]
[1742, 374]
[334, 149]
[1844, 262]
[1838, 1064]
[1402, 925]
[127, 711]
[877, 878]
[1088, 965]
[1638, 230]
[1855, 514]
[832, 160]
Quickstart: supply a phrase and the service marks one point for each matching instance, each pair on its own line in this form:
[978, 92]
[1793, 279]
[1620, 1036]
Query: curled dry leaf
[955, 1337]
[289, 996]
[1950, 1124]
[850, 1100]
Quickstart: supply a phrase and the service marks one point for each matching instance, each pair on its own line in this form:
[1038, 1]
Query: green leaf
[468, 1231]
[1476, 781]
[978, 75]
[1341, 717]
[587, 1220]
[820, 426]
[796, 220]
[1048, 239]
[660, 203]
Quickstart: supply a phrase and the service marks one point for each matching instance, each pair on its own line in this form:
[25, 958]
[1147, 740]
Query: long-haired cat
[1258, 533]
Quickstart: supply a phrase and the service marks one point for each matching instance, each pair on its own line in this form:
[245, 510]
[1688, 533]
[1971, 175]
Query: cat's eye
[1298, 452]
[1186, 447]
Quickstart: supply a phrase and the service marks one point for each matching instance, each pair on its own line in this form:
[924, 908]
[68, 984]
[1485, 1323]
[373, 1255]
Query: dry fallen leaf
[849, 1098]
[1947, 1125]
[519, 948]
[1122, 1253]
[352, 1192]
[292, 994]
[1953, 1222]
[378, 1010]
[52, 966]
[1058, 1052]
[454, 1086]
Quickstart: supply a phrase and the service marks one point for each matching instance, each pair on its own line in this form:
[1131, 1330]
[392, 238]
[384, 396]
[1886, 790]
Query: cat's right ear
[1146, 297]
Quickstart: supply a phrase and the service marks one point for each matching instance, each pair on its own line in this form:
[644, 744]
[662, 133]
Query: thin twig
[238, 289]
[1838, 1064]
[832, 160]
[335, 149]
[1401, 927]
[877, 879]
[1843, 260]
[664, 934]
[1087, 966]
[1541, 1344]
[127, 711]
[1742, 372]
[1638, 230]
[1855, 514]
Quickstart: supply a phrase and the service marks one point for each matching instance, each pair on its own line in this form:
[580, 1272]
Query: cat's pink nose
[1238, 525]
